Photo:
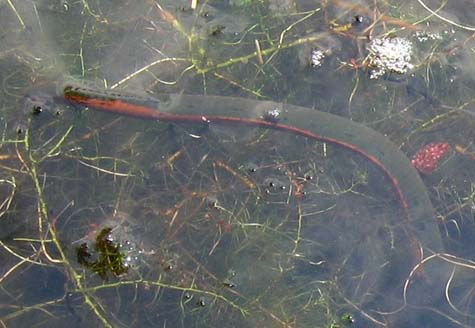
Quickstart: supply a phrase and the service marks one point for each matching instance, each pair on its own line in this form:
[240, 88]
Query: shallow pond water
[274, 189]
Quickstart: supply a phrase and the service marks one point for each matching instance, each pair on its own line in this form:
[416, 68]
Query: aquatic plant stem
[31, 166]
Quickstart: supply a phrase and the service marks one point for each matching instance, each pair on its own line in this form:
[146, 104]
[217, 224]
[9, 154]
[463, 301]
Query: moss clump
[108, 258]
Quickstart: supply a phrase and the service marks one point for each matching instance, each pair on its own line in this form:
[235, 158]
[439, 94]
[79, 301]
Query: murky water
[108, 220]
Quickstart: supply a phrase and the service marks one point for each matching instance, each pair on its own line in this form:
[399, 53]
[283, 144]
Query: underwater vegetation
[298, 164]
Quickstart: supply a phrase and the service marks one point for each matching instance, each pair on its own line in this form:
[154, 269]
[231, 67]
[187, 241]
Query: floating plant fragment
[105, 257]
[426, 159]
